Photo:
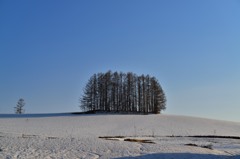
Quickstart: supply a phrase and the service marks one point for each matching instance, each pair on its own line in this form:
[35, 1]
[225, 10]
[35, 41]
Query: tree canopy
[123, 92]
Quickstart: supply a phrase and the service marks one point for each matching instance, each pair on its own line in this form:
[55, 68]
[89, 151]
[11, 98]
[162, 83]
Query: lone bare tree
[19, 107]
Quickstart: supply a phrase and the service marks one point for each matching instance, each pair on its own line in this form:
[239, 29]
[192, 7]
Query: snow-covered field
[60, 136]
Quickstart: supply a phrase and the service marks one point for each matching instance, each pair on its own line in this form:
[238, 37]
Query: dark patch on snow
[140, 140]
[191, 145]
[118, 138]
[210, 136]
[28, 136]
[109, 137]
[215, 136]
[209, 146]
[51, 137]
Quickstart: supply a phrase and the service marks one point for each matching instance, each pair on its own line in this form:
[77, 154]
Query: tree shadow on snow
[180, 156]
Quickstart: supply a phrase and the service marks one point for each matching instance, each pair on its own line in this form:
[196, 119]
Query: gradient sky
[49, 49]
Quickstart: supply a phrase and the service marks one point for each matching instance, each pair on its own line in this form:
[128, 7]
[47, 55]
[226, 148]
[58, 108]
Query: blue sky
[49, 49]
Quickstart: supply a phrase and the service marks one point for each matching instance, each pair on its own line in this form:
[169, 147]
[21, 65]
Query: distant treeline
[123, 92]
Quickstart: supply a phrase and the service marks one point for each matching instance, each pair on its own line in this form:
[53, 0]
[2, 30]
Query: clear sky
[49, 49]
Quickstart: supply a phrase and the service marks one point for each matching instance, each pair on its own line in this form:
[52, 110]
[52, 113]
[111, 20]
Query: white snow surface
[67, 136]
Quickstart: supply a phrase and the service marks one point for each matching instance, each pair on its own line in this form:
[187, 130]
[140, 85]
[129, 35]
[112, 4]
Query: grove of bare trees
[123, 92]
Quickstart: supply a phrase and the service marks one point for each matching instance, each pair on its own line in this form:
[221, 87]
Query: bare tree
[120, 92]
[19, 107]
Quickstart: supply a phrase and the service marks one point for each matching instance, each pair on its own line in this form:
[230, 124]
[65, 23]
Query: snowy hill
[77, 136]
